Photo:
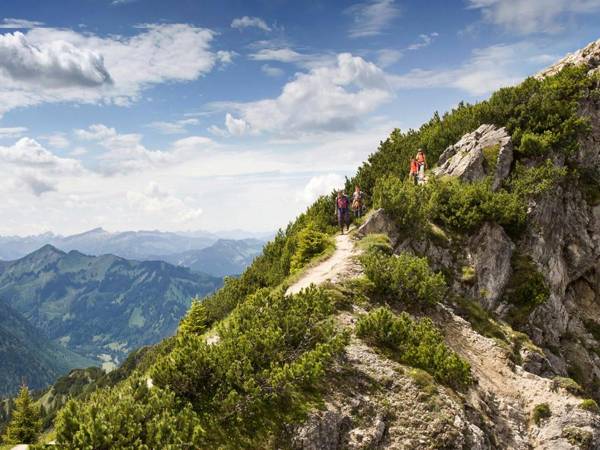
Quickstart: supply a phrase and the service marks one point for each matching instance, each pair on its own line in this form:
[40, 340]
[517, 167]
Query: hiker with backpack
[358, 202]
[421, 166]
[414, 170]
[342, 210]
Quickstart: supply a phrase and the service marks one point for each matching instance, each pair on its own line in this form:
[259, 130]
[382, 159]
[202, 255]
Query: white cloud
[156, 201]
[236, 127]
[321, 185]
[28, 153]
[16, 24]
[57, 140]
[50, 65]
[532, 16]
[225, 57]
[388, 56]
[12, 132]
[425, 40]
[124, 153]
[272, 71]
[176, 127]
[488, 69]
[248, 22]
[372, 17]
[60, 65]
[329, 98]
[286, 55]
[78, 151]
[36, 184]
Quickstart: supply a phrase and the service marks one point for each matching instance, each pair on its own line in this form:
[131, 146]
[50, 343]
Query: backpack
[342, 202]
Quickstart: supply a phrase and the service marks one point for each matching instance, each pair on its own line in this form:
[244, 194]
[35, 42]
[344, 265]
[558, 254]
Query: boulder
[380, 223]
[491, 252]
[467, 159]
[322, 431]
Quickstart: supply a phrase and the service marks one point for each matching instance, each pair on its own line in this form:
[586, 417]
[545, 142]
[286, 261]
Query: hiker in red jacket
[414, 170]
[342, 210]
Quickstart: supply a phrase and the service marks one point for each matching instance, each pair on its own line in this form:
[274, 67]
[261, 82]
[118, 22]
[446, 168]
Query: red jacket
[413, 167]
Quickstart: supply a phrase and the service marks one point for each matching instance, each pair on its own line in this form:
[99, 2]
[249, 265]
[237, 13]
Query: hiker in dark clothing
[342, 210]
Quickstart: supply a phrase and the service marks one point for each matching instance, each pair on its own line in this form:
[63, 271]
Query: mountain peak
[588, 56]
[47, 249]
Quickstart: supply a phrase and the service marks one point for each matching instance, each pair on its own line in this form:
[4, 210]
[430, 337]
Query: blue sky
[186, 115]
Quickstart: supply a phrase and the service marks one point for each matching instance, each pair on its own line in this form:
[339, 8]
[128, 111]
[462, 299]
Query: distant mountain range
[224, 257]
[232, 250]
[26, 355]
[101, 307]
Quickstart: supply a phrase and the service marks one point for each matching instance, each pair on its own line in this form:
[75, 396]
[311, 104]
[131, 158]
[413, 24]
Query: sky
[212, 115]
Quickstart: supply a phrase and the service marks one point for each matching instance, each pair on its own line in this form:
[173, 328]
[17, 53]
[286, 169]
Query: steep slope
[224, 257]
[26, 355]
[474, 324]
[102, 307]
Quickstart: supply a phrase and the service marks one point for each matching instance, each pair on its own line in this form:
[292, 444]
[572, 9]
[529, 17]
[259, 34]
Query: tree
[25, 424]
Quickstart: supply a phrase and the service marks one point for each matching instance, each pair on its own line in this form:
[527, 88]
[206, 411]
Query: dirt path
[338, 266]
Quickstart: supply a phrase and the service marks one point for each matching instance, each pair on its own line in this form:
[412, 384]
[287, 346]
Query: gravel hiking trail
[337, 266]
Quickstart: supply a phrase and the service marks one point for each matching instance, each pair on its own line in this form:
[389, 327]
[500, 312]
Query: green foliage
[578, 437]
[25, 424]
[195, 321]
[402, 200]
[417, 343]
[464, 207]
[130, 416]
[540, 412]
[405, 278]
[590, 405]
[468, 275]
[534, 181]
[272, 352]
[526, 289]
[310, 243]
[376, 243]
[589, 183]
[568, 384]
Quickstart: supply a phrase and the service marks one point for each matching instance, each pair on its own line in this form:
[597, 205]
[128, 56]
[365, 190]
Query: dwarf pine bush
[405, 278]
[417, 343]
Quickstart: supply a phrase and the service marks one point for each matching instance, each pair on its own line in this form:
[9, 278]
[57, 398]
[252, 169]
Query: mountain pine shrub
[405, 278]
[417, 343]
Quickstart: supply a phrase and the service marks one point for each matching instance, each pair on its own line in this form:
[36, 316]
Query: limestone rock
[467, 161]
[491, 252]
[322, 431]
[588, 56]
[380, 222]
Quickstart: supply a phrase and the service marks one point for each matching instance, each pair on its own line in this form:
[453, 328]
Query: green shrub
[527, 288]
[406, 278]
[590, 405]
[402, 201]
[568, 384]
[196, 319]
[540, 412]
[464, 207]
[417, 343]
[376, 243]
[578, 437]
[534, 181]
[263, 372]
[310, 243]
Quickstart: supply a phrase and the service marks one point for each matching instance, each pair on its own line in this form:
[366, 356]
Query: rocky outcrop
[380, 222]
[490, 252]
[588, 56]
[486, 151]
